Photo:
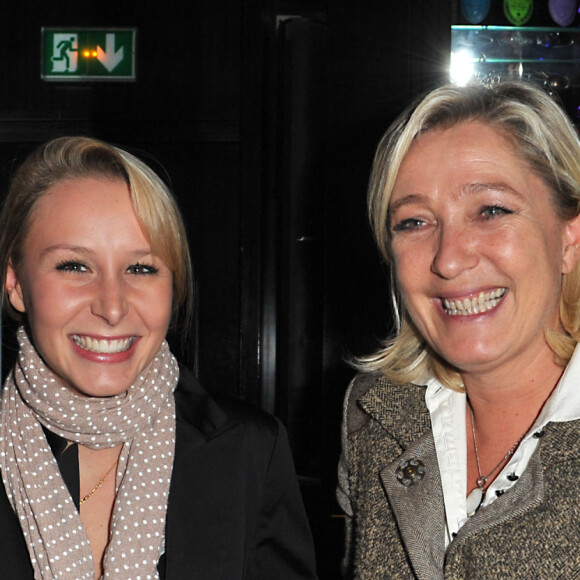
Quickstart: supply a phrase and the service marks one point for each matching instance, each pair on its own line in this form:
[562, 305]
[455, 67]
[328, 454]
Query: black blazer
[234, 509]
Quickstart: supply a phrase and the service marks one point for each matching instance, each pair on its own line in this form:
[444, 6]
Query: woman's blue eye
[72, 266]
[495, 210]
[408, 224]
[142, 269]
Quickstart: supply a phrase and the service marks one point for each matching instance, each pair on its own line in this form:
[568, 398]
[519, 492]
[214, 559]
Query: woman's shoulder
[375, 385]
[371, 395]
[212, 414]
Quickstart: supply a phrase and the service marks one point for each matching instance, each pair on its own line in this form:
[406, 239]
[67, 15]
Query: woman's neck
[505, 405]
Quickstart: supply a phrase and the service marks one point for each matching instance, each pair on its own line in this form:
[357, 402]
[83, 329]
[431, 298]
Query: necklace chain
[100, 482]
[482, 480]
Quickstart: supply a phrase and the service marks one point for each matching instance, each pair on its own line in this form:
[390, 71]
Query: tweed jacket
[397, 531]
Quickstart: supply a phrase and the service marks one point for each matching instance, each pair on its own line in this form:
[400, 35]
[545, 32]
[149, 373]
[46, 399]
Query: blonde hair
[542, 136]
[68, 158]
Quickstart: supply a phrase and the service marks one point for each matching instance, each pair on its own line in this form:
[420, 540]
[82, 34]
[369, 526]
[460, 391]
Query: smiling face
[478, 250]
[98, 302]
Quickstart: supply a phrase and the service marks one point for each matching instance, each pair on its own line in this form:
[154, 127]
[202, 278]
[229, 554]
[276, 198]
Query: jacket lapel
[528, 493]
[198, 529]
[559, 445]
[417, 504]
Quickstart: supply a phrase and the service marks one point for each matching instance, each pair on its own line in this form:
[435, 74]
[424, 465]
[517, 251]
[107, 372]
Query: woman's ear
[14, 289]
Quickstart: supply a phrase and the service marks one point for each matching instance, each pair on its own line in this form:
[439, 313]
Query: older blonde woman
[461, 451]
[115, 463]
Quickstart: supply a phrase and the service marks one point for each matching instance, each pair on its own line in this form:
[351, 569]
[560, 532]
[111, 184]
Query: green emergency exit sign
[85, 54]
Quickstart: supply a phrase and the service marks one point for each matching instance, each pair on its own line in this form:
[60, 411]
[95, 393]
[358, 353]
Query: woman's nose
[455, 252]
[110, 302]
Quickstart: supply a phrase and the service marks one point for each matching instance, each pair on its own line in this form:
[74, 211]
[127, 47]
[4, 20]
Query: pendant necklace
[476, 497]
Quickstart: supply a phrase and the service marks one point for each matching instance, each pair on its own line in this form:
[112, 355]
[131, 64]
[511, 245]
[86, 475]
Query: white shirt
[447, 410]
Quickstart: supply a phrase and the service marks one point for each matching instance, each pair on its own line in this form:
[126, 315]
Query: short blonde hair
[68, 158]
[542, 137]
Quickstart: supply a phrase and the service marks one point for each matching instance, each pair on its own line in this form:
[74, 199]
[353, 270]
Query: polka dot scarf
[143, 419]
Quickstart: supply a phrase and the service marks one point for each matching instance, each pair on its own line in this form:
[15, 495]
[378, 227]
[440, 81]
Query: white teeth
[483, 302]
[103, 346]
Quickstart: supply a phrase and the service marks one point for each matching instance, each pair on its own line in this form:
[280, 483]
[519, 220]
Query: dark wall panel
[188, 58]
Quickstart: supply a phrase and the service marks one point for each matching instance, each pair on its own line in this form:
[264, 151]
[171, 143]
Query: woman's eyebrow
[66, 247]
[478, 187]
[138, 252]
[466, 189]
[405, 200]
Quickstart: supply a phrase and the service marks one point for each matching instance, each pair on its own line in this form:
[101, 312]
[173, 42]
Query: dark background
[263, 116]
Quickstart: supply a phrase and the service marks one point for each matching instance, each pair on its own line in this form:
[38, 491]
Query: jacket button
[410, 472]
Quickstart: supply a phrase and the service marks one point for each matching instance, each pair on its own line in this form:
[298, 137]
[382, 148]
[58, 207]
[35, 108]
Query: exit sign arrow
[110, 58]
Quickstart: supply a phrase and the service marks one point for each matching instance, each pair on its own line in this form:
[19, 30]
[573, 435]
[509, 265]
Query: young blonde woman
[115, 463]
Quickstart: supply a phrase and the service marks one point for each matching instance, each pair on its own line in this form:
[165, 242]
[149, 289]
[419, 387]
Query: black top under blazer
[234, 509]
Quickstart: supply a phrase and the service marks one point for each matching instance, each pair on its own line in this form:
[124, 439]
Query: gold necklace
[100, 482]
[476, 497]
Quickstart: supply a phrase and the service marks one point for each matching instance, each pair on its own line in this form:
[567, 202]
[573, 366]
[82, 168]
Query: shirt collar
[437, 394]
[564, 403]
